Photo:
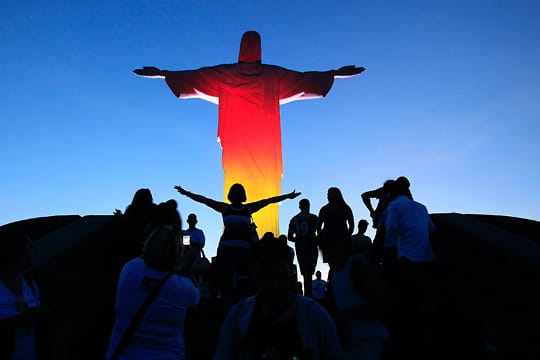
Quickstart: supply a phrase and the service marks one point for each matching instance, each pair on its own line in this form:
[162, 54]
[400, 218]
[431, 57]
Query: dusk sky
[450, 99]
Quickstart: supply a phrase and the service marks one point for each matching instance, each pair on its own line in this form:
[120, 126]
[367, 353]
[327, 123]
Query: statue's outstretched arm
[150, 72]
[348, 71]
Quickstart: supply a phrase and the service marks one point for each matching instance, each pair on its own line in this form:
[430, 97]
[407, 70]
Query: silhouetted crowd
[376, 302]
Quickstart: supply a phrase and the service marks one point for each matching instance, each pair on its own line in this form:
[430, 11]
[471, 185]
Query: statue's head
[250, 48]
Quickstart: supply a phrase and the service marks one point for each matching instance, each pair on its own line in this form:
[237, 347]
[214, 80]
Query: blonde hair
[161, 249]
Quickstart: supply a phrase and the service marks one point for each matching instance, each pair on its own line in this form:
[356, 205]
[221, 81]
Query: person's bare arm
[258, 205]
[348, 71]
[366, 199]
[350, 223]
[211, 203]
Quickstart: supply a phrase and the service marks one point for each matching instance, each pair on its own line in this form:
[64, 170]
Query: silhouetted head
[250, 48]
[395, 189]
[304, 204]
[141, 207]
[268, 236]
[389, 187]
[405, 184]
[362, 226]
[192, 219]
[273, 270]
[161, 249]
[15, 252]
[237, 194]
[403, 181]
[142, 198]
[318, 274]
[167, 214]
[334, 195]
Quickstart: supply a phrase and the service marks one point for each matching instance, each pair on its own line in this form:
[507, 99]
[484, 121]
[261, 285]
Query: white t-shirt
[408, 225]
[159, 334]
[12, 305]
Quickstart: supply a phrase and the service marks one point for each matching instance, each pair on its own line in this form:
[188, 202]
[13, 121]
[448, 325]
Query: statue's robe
[249, 95]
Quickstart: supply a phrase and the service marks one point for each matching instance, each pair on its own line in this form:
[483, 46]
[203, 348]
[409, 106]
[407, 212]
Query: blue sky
[450, 98]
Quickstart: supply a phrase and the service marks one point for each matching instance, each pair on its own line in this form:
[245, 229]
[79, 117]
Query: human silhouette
[283, 238]
[196, 235]
[361, 305]
[159, 331]
[137, 223]
[303, 232]
[20, 303]
[166, 214]
[409, 225]
[335, 225]
[233, 257]
[249, 94]
[319, 288]
[381, 194]
[277, 323]
[360, 242]
[384, 249]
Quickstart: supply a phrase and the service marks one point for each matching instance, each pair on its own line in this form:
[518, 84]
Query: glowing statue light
[248, 94]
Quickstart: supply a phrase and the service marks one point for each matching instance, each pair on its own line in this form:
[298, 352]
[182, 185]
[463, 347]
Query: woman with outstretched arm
[233, 254]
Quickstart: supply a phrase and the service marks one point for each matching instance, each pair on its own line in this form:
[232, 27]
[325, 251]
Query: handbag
[137, 318]
[201, 265]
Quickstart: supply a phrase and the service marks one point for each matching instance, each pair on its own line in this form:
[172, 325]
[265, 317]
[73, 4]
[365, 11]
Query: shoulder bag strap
[137, 318]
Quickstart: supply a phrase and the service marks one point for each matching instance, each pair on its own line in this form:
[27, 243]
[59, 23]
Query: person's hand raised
[294, 194]
[181, 190]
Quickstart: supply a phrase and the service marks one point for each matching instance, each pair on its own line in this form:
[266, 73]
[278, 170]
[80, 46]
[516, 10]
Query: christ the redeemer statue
[248, 94]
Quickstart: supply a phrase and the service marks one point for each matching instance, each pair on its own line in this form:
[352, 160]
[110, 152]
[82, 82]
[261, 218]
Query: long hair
[336, 196]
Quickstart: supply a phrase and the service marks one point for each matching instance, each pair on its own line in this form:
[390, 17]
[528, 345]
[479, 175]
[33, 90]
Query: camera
[186, 240]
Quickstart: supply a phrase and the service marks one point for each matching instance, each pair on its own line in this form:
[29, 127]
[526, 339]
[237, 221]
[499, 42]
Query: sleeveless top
[237, 228]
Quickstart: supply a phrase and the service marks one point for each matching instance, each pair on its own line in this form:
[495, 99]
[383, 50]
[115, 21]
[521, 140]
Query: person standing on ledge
[303, 233]
[249, 95]
[239, 234]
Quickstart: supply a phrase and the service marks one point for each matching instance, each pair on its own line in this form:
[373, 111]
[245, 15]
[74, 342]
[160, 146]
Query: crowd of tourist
[374, 304]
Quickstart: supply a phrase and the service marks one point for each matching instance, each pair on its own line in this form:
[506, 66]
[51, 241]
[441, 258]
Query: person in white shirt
[409, 225]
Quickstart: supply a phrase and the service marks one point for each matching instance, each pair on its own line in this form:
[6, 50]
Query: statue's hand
[150, 72]
[347, 71]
